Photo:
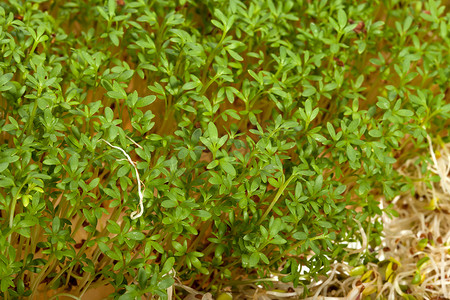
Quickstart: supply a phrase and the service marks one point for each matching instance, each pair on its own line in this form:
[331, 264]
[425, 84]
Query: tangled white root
[415, 254]
[417, 242]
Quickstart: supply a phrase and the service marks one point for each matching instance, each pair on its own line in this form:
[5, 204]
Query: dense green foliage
[263, 132]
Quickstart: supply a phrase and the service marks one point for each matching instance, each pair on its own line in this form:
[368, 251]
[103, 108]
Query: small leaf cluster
[263, 131]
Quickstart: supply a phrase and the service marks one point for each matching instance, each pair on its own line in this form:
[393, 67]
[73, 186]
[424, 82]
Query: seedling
[259, 139]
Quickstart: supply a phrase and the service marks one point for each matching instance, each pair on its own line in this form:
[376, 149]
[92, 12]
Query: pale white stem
[282, 295]
[354, 294]
[134, 142]
[330, 278]
[444, 281]
[440, 171]
[135, 214]
[364, 240]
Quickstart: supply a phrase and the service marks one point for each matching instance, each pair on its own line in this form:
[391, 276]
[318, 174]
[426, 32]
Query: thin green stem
[13, 206]
[33, 114]
[277, 196]
[65, 295]
[42, 274]
[211, 56]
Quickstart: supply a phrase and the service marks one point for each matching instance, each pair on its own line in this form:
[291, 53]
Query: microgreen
[147, 144]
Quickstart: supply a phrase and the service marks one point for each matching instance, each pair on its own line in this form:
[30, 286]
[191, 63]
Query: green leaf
[254, 259]
[212, 164]
[300, 236]
[264, 258]
[94, 183]
[227, 167]
[6, 182]
[405, 113]
[135, 235]
[117, 91]
[361, 46]
[166, 282]
[235, 55]
[169, 203]
[190, 85]
[375, 133]
[114, 38]
[309, 91]
[157, 247]
[318, 137]
[113, 255]
[109, 114]
[202, 214]
[113, 227]
[195, 262]
[351, 153]
[56, 224]
[111, 7]
[325, 224]
[124, 170]
[144, 101]
[273, 182]
[342, 18]
[383, 103]
[212, 131]
[168, 265]
[331, 130]
[6, 283]
[4, 79]
[51, 161]
[340, 189]
[127, 296]
[314, 247]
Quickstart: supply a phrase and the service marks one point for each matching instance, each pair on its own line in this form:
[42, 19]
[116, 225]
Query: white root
[135, 214]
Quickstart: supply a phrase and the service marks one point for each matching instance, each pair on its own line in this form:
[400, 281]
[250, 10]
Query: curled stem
[135, 214]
